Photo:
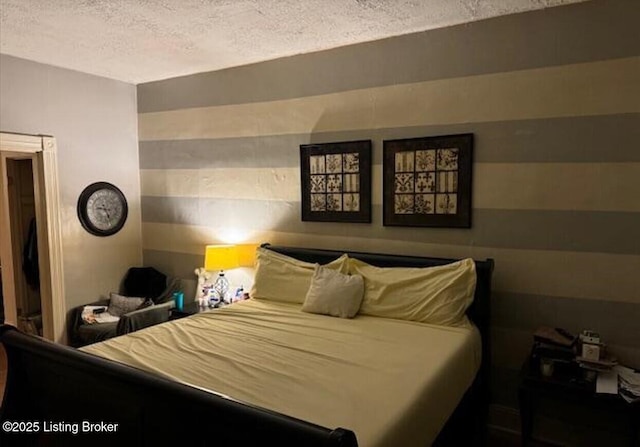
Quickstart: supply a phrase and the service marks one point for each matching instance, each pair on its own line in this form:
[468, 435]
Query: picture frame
[336, 181]
[427, 181]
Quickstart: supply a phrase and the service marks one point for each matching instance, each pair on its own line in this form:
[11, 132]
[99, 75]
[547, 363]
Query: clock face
[102, 209]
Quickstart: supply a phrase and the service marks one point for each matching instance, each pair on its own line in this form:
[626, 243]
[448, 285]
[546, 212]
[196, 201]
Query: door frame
[42, 151]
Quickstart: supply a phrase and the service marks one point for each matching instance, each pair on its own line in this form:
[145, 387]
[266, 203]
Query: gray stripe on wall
[588, 231]
[179, 265]
[616, 322]
[576, 139]
[459, 51]
[252, 152]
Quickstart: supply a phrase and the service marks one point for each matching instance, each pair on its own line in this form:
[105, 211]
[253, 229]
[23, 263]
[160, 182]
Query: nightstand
[191, 308]
[577, 406]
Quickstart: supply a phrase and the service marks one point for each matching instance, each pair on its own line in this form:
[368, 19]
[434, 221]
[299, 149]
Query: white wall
[94, 121]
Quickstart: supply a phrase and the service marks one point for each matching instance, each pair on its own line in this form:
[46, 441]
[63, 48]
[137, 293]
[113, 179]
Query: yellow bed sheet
[393, 382]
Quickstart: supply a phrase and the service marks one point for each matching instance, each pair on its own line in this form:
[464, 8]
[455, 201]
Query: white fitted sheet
[393, 382]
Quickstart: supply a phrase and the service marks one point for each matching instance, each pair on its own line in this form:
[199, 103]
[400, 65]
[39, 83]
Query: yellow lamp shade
[247, 254]
[221, 257]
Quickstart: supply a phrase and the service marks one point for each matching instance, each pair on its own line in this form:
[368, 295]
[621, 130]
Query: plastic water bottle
[178, 298]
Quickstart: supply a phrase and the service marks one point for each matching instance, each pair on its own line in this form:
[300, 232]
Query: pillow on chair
[120, 305]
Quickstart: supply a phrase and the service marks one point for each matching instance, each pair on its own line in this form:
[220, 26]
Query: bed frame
[50, 383]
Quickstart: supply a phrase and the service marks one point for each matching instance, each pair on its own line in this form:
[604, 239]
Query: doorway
[30, 237]
[22, 214]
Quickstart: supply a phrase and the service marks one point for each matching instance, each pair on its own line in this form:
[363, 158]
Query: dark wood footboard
[57, 395]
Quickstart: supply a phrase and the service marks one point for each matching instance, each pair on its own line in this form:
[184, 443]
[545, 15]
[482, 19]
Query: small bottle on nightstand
[239, 294]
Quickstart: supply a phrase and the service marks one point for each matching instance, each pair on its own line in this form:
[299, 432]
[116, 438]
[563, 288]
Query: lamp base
[221, 287]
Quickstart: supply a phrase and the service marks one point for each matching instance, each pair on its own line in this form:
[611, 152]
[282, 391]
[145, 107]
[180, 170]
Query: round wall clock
[102, 209]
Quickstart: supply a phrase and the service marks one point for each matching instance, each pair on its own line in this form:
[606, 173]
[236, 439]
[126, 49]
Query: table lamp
[247, 254]
[221, 257]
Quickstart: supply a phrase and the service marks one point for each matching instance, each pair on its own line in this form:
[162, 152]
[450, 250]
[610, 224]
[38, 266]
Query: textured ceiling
[145, 40]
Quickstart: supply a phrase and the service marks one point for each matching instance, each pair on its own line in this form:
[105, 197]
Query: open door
[40, 153]
[24, 243]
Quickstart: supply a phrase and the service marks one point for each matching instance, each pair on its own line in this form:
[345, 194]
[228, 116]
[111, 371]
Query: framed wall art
[427, 181]
[336, 181]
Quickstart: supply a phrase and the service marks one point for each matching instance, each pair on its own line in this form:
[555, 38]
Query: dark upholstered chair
[144, 282]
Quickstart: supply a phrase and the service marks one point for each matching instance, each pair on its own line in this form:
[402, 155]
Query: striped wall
[553, 100]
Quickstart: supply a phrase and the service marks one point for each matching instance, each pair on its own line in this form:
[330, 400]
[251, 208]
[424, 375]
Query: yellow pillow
[282, 278]
[436, 295]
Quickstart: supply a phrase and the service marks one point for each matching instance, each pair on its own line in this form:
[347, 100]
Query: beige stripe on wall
[228, 183]
[543, 186]
[595, 88]
[551, 273]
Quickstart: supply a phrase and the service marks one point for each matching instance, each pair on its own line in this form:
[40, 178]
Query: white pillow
[333, 293]
[282, 278]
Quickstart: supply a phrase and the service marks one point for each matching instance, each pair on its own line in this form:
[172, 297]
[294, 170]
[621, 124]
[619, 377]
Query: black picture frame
[427, 181]
[86, 207]
[336, 181]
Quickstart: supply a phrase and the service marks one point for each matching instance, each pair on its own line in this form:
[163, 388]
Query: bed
[263, 372]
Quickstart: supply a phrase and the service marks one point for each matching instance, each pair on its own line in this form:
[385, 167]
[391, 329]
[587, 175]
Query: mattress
[392, 382]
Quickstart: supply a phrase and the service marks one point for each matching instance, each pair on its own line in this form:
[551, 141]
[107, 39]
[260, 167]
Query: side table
[567, 387]
[191, 308]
